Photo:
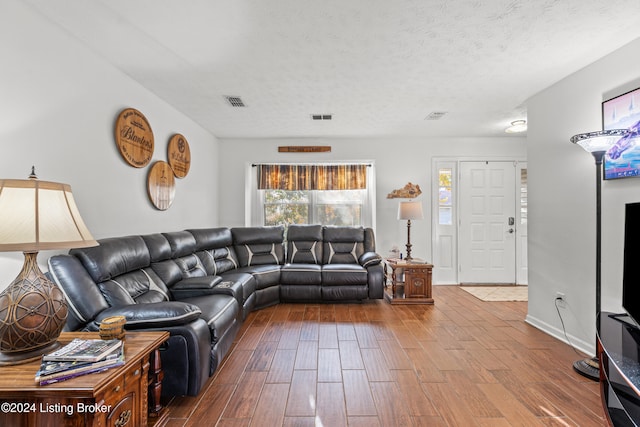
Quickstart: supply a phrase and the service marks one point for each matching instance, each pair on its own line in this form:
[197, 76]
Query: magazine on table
[55, 371]
[84, 350]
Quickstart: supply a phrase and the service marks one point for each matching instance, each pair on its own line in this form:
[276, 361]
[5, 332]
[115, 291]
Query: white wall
[397, 160]
[58, 106]
[562, 199]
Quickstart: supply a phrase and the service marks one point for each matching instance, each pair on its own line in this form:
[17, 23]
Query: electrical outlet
[561, 300]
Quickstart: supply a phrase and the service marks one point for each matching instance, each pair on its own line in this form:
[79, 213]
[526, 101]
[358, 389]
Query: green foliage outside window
[343, 207]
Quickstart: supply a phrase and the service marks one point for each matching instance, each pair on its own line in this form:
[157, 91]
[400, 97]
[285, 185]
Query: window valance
[312, 177]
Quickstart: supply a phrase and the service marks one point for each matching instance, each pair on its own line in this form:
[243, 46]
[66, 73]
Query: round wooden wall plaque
[179, 155]
[134, 137]
[161, 185]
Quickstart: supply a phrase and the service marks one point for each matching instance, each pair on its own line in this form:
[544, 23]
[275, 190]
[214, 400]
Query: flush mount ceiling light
[517, 126]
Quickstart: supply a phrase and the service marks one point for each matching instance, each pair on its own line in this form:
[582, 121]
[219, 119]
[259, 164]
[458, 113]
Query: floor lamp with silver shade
[597, 143]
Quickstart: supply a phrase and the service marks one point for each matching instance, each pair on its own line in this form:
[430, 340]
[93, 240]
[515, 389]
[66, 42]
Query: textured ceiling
[379, 66]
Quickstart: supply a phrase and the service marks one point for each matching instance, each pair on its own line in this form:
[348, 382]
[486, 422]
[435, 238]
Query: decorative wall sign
[134, 137]
[409, 191]
[179, 155]
[161, 185]
[304, 149]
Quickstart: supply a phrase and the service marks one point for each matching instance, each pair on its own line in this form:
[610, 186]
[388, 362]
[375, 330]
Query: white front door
[486, 243]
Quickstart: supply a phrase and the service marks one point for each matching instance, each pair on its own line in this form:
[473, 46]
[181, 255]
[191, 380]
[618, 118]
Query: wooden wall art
[304, 149]
[179, 155]
[134, 137]
[409, 191]
[161, 185]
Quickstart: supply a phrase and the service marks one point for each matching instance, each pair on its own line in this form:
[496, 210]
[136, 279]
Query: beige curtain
[312, 177]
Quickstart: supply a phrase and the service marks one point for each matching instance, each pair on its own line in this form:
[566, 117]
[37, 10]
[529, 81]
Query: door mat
[498, 293]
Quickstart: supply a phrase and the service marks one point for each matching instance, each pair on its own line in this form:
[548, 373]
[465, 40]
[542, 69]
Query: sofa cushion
[113, 257]
[214, 247]
[158, 246]
[342, 245]
[218, 260]
[191, 266]
[207, 238]
[182, 243]
[139, 286]
[301, 274]
[304, 244]
[265, 275]
[343, 274]
[259, 245]
[83, 296]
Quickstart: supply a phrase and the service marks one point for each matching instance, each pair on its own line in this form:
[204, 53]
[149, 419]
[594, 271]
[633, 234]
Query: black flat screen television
[631, 263]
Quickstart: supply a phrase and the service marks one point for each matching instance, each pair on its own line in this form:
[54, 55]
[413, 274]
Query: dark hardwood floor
[460, 362]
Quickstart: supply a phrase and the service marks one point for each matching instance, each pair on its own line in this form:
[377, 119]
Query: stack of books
[80, 357]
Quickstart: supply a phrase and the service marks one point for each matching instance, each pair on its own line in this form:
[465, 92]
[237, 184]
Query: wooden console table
[116, 397]
[410, 282]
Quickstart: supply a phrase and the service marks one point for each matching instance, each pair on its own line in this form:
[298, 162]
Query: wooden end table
[410, 282]
[116, 397]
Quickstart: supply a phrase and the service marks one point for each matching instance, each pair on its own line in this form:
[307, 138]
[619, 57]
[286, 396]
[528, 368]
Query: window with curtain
[328, 194]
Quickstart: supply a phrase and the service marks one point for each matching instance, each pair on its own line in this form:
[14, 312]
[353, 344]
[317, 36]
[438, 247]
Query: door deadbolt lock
[512, 220]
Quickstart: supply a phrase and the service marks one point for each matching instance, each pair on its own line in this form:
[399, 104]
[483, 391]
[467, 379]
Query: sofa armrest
[368, 259]
[195, 286]
[186, 358]
[153, 315]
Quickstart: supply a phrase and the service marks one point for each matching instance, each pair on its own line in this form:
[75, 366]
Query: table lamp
[409, 211]
[35, 215]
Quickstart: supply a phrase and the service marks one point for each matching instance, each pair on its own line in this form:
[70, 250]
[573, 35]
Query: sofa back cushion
[183, 248]
[259, 245]
[214, 247]
[342, 245]
[304, 244]
[138, 286]
[121, 268]
[83, 296]
[113, 256]
[162, 263]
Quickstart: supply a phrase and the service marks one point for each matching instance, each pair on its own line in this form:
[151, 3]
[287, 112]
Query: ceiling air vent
[435, 115]
[235, 101]
[321, 116]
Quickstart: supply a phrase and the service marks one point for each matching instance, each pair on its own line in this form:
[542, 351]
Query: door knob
[511, 230]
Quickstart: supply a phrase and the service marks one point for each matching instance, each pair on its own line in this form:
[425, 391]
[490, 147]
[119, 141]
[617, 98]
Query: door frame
[445, 247]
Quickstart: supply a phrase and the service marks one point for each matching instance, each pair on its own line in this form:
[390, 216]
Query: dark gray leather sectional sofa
[201, 284]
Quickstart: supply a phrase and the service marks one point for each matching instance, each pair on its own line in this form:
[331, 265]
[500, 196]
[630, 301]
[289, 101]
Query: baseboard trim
[577, 343]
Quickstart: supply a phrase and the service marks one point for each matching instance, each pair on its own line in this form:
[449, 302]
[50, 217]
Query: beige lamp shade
[35, 215]
[40, 215]
[410, 210]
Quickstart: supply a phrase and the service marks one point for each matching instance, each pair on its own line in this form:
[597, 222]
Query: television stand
[624, 318]
[618, 350]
